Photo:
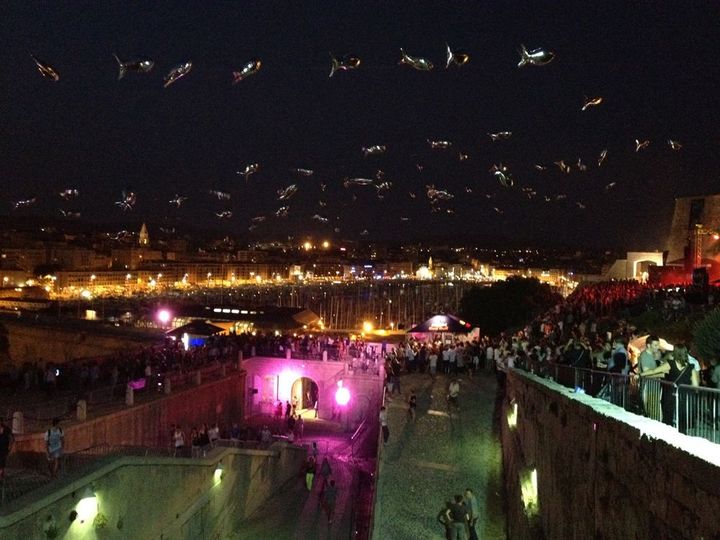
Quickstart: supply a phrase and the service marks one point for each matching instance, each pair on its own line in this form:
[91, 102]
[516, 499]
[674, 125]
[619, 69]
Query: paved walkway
[437, 456]
[296, 514]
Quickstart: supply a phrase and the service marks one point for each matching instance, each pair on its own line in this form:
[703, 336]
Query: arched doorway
[642, 269]
[304, 394]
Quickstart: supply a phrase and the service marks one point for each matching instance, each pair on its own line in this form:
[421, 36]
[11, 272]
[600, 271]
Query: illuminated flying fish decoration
[347, 182]
[321, 219]
[249, 69]
[536, 57]
[285, 193]
[674, 145]
[249, 169]
[374, 150]
[458, 58]
[346, 63]
[602, 157]
[439, 144]
[304, 172]
[24, 203]
[591, 102]
[69, 214]
[221, 195]
[258, 219]
[641, 145]
[564, 167]
[282, 211]
[581, 166]
[138, 65]
[128, 200]
[415, 62]
[69, 193]
[502, 175]
[225, 214]
[177, 73]
[178, 200]
[438, 194]
[45, 69]
[500, 135]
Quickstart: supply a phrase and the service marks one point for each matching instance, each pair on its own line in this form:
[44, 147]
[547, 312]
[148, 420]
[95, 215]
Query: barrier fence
[693, 410]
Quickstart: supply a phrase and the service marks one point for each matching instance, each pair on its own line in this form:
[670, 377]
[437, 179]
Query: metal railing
[693, 410]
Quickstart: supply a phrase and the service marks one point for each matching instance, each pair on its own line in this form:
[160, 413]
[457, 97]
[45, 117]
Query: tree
[507, 304]
[706, 335]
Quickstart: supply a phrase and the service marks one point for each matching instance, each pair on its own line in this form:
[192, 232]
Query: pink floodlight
[164, 316]
[342, 396]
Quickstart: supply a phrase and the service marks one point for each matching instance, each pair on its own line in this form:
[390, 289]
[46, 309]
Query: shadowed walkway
[438, 455]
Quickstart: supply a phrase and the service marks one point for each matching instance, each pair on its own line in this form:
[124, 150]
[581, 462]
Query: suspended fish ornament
[346, 63]
[249, 69]
[177, 73]
[415, 62]
[536, 57]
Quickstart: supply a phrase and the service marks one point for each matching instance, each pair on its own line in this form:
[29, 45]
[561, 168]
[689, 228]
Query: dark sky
[654, 63]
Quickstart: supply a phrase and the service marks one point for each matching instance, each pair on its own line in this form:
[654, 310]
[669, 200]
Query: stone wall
[601, 472]
[33, 341]
[148, 424]
[161, 497]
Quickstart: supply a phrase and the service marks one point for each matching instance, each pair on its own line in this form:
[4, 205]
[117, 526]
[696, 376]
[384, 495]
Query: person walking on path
[329, 497]
[178, 438]
[6, 440]
[412, 405]
[310, 473]
[453, 393]
[458, 516]
[473, 509]
[325, 472]
[54, 440]
[384, 425]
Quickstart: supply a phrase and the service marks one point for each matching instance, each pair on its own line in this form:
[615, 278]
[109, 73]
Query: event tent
[442, 324]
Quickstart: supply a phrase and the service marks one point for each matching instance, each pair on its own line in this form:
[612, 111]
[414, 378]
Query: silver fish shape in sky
[346, 63]
[458, 58]
[580, 205]
[421, 64]
[383, 188]
[177, 73]
[221, 195]
[641, 145]
[69, 214]
[138, 65]
[249, 169]
[128, 200]
[562, 166]
[178, 200]
[249, 69]
[540, 167]
[225, 214]
[674, 145]
[45, 69]
[364, 232]
[282, 211]
[462, 156]
[24, 203]
[439, 144]
[609, 186]
[374, 150]
[322, 204]
[536, 57]
[500, 135]
[581, 166]
[304, 172]
[321, 219]
[258, 219]
[438, 194]
[501, 174]
[69, 193]
[498, 210]
[591, 102]
[347, 182]
[285, 193]
[602, 157]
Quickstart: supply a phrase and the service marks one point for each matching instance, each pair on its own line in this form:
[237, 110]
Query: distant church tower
[144, 238]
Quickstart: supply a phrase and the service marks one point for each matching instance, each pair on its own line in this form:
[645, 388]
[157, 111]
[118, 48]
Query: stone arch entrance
[304, 394]
[642, 269]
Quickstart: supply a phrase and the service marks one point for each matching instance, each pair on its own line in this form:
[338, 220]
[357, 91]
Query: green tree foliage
[706, 335]
[507, 304]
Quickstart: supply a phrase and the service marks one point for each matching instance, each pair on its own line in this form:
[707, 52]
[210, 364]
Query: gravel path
[438, 455]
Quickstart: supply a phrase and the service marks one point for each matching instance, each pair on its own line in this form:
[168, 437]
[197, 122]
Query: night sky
[655, 64]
